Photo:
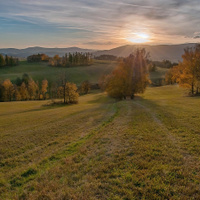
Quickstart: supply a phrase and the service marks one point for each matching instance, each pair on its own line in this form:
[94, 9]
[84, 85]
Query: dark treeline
[106, 57]
[38, 58]
[164, 64]
[8, 61]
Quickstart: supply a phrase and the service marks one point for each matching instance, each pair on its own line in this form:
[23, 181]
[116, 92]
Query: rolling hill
[23, 53]
[157, 52]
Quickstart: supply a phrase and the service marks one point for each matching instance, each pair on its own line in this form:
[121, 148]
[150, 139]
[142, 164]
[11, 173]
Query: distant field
[158, 74]
[40, 71]
[101, 148]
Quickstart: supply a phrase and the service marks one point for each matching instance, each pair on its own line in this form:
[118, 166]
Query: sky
[98, 24]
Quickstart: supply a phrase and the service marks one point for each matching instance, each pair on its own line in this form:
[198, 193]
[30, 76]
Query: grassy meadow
[147, 148]
[40, 71]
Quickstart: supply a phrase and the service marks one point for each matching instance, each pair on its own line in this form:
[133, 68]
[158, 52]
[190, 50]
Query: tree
[85, 87]
[130, 77]
[25, 78]
[44, 88]
[23, 91]
[187, 73]
[2, 61]
[32, 89]
[7, 60]
[17, 94]
[7, 90]
[71, 94]
[170, 76]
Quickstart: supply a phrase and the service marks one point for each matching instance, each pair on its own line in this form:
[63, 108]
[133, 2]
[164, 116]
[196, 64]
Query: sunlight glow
[138, 37]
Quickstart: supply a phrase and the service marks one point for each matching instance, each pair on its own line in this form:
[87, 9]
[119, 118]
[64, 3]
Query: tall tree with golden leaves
[23, 91]
[130, 77]
[44, 88]
[187, 73]
[7, 90]
[32, 89]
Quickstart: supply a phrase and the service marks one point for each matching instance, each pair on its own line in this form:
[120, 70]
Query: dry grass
[102, 149]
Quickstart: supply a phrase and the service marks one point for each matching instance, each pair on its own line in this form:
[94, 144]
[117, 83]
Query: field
[147, 148]
[40, 71]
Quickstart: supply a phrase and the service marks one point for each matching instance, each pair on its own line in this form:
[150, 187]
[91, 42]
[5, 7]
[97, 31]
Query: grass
[101, 148]
[40, 71]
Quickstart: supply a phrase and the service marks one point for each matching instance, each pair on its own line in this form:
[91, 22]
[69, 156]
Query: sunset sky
[100, 24]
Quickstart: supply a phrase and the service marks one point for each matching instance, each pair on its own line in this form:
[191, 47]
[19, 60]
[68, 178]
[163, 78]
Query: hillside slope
[102, 148]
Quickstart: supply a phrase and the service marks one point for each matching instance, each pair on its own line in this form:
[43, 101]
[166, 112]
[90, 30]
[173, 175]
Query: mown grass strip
[33, 173]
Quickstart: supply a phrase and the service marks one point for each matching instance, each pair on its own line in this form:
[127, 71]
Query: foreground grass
[102, 149]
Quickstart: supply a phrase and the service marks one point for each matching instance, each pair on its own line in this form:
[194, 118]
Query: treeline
[164, 64]
[38, 58]
[25, 88]
[187, 72]
[71, 59]
[8, 61]
[106, 57]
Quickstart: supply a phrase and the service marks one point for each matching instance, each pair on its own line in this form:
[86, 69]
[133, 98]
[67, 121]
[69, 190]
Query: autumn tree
[71, 94]
[17, 94]
[170, 76]
[44, 88]
[32, 89]
[187, 73]
[85, 87]
[130, 77]
[23, 91]
[7, 90]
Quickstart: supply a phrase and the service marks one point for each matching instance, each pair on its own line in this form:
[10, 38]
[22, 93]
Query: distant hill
[157, 52]
[23, 53]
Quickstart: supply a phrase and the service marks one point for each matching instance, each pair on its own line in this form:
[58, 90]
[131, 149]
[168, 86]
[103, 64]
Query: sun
[138, 38]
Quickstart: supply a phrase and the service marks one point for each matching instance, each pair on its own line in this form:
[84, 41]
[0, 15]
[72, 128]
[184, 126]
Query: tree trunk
[197, 91]
[192, 88]
[64, 93]
[132, 96]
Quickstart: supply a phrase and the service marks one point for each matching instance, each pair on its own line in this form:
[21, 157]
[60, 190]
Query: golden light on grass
[138, 37]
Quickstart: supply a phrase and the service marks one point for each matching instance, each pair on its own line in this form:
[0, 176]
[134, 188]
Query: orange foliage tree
[130, 77]
[187, 72]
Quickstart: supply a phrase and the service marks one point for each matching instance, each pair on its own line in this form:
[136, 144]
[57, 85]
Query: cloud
[89, 21]
[100, 43]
